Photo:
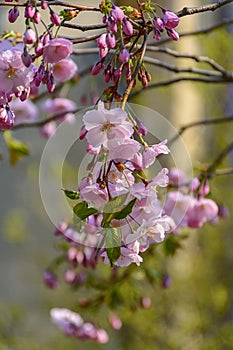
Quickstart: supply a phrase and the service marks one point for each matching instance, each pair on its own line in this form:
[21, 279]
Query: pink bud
[83, 133]
[29, 11]
[103, 52]
[205, 189]
[114, 321]
[37, 17]
[101, 336]
[13, 14]
[127, 27]
[117, 13]
[6, 118]
[107, 74]
[194, 184]
[170, 19]
[159, 24]
[223, 212]
[29, 36]
[111, 24]
[173, 34]
[48, 129]
[54, 18]
[124, 55]
[97, 68]
[39, 48]
[157, 34]
[50, 84]
[44, 5]
[110, 41]
[145, 302]
[27, 59]
[101, 41]
[50, 279]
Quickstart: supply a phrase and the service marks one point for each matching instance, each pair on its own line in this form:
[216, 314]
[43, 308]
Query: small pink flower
[25, 111]
[59, 105]
[203, 210]
[123, 150]
[127, 27]
[170, 19]
[173, 34]
[124, 55]
[56, 50]
[13, 14]
[67, 320]
[29, 36]
[48, 129]
[177, 177]
[103, 125]
[64, 70]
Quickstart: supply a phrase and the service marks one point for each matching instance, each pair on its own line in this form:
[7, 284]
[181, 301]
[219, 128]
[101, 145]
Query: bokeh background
[196, 311]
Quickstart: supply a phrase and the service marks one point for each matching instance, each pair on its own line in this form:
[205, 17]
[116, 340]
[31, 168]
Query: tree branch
[54, 3]
[186, 11]
[83, 28]
[219, 159]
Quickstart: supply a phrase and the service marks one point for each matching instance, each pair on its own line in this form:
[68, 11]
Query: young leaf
[113, 244]
[71, 194]
[82, 211]
[126, 211]
[17, 149]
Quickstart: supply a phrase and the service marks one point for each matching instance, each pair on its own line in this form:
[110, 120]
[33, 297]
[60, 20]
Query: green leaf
[171, 244]
[17, 149]
[126, 211]
[71, 194]
[82, 211]
[113, 244]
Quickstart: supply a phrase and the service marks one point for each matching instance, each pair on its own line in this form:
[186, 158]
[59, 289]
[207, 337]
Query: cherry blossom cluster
[119, 41]
[72, 324]
[189, 206]
[19, 73]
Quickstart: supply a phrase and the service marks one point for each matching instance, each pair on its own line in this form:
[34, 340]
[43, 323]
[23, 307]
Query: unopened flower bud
[117, 13]
[159, 24]
[127, 27]
[37, 17]
[114, 321]
[157, 34]
[29, 36]
[101, 41]
[103, 52]
[166, 281]
[107, 74]
[111, 24]
[124, 55]
[26, 58]
[13, 14]
[50, 84]
[83, 133]
[44, 5]
[54, 18]
[145, 302]
[110, 40]
[39, 48]
[170, 19]
[173, 34]
[29, 11]
[97, 68]
[50, 279]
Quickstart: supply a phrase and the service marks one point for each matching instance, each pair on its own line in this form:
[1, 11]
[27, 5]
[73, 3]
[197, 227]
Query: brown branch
[207, 121]
[219, 159]
[177, 80]
[186, 11]
[53, 3]
[196, 58]
[83, 28]
[130, 86]
[44, 121]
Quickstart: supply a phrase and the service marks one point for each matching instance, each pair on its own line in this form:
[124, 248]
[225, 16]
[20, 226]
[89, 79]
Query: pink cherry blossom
[14, 76]
[64, 70]
[203, 210]
[177, 176]
[56, 50]
[66, 320]
[59, 105]
[103, 125]
[147, 157]
[25, 111]
[123, 150]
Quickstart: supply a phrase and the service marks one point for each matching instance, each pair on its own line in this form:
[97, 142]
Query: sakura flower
[14, 76]
[147, 157]
[59, 105]
[6, 118]
[103, 125]
[56, 50]
[66, 320]
[64, 70]
[203, 210]
[123, 150]
[128, 256]
[25, 111]
[177, 206]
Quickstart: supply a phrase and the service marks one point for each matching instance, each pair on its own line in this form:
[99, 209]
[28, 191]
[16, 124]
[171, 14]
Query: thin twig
[207, 121]
[83, 28]
[44, 121]
[186, 11]
[219, 159]
[196, 58]
[179, 79]
[53, 3]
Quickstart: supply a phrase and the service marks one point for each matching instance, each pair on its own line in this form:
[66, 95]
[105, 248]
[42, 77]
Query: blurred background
[195, 309]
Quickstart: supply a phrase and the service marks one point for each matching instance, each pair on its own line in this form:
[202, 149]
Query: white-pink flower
[56, 50]
[103, 125]
[67, 320]
[123, 150]
[15, 78]
[64, 70]
[25, 111]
